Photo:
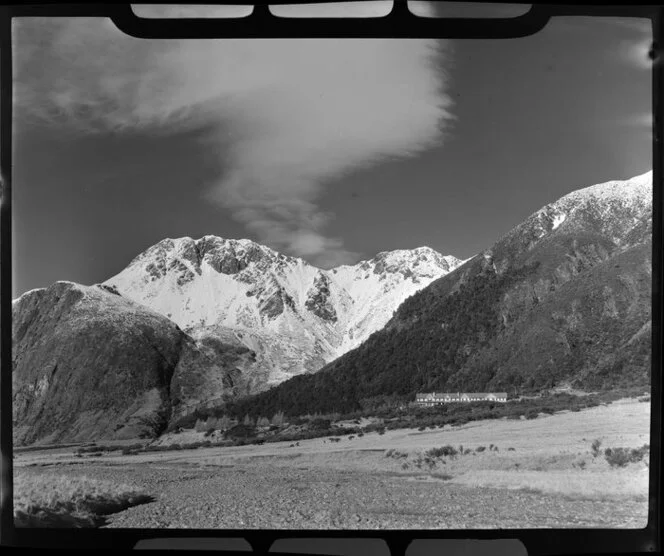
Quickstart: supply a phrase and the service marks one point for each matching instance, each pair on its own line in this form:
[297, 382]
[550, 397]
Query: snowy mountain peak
[617, 209]
[274, 299]
[404, 261]
[633, 190]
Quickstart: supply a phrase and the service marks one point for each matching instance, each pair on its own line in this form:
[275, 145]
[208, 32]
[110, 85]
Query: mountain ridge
[309, 316]
[564, 296]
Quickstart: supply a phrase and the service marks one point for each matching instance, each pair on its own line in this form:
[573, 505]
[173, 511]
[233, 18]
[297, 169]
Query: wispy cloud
[292, 117]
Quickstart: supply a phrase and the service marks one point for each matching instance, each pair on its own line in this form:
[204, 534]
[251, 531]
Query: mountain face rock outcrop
[563, 298]
[318, 299]
[295, 316]
[209, 369]
[89, 364]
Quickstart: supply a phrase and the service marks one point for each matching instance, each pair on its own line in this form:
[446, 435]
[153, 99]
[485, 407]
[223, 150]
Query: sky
[330, 150]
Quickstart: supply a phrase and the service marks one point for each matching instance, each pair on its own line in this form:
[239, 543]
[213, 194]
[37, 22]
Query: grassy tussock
[61, 501]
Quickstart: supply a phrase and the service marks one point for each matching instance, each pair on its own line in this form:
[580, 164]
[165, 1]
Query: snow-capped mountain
[296, 317]
[379, 285]
[563, 299]
[618, 210]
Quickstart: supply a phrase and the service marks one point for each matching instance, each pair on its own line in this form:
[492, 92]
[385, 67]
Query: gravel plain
[266, 497]
[548, 480]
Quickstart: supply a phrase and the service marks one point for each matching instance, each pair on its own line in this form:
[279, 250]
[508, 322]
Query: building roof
[437, 395]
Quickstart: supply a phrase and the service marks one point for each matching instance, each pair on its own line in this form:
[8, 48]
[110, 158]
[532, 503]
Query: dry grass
[551, 454]
[598, 485]
[46, 500]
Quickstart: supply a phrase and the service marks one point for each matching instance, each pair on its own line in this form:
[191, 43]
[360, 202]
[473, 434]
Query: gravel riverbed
[267, 497]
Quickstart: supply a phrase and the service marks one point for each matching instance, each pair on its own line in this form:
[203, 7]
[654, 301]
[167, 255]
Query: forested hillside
[563, 298]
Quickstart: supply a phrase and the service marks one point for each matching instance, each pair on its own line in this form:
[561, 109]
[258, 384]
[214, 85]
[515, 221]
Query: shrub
[637, 454]
[319, 423]
[241, 431]
[442, 451]
[620, 457]
[594, 447]
[430, 462]
[396, 454]
[617, 457]
[154, 424]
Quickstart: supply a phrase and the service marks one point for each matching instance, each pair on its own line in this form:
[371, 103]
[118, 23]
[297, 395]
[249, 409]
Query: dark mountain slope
[562, 298]
[90, 364]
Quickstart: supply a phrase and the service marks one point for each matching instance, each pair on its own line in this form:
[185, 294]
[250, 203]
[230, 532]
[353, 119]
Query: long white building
[437, 398]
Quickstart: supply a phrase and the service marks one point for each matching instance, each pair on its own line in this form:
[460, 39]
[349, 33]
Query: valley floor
[549, 479]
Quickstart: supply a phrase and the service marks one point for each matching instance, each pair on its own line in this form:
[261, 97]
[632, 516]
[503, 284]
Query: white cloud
[292, 116]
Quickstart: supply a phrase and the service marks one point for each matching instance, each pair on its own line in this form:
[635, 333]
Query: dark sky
[534, 119]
